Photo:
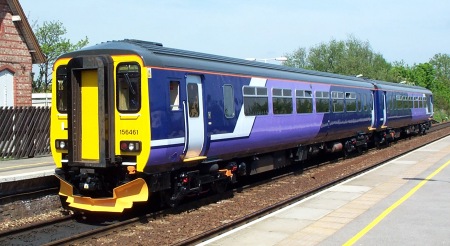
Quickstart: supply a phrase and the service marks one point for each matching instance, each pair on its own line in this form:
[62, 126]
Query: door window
[193, 100]
[174, 88]
[228, 101]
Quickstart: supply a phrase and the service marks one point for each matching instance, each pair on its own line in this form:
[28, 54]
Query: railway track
[72, 230]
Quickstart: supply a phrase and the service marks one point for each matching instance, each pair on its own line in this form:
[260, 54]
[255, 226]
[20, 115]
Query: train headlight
[61, 144]
[130, 146]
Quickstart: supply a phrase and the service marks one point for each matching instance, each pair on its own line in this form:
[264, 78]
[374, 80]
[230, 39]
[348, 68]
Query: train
[134, 121]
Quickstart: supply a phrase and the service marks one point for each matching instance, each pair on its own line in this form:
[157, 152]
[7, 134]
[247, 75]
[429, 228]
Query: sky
[401, 30]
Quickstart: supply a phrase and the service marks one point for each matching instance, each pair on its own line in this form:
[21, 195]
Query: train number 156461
[129, 132]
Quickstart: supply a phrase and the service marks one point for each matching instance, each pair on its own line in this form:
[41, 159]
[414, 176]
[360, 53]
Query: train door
[383, 105]
[429, 102]
[371, 107]
[89, 79]
[195, 123]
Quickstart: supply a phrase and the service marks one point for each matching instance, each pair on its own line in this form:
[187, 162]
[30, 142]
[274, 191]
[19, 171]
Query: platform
[14, 170]
[403, 202]
[26, 175]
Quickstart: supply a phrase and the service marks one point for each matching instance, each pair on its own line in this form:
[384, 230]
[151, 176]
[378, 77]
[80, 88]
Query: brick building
[19, 50]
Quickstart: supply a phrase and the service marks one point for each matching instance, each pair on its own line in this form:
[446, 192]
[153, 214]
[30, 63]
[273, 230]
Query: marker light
[130, 146]
[61, 144]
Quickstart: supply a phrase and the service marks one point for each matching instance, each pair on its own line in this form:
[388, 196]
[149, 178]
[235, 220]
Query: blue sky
[409, 30]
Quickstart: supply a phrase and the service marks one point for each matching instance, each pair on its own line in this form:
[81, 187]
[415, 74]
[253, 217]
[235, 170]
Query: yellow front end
[84, 149]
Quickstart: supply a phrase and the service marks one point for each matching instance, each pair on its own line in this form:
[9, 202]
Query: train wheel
[169, 199]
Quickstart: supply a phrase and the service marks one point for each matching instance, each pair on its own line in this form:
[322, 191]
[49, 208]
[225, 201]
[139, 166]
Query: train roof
[383, 85]
[156, 55]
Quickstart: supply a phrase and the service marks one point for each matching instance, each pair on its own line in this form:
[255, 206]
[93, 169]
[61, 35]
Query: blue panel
[217, 122]
[166, 123]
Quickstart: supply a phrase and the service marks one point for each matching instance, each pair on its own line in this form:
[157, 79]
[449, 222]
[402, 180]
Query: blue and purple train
[133, 119]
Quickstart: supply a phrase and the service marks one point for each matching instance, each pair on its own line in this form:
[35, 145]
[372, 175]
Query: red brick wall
[15, 54]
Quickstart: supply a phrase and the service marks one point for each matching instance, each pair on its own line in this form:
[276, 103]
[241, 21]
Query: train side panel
[235, 130]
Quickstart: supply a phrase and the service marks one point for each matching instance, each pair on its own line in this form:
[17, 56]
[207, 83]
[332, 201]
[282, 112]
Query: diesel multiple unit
[132, 119]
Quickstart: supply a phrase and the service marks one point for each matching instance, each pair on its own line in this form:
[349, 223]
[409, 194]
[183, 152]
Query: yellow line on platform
[24, 165]
[380, 217]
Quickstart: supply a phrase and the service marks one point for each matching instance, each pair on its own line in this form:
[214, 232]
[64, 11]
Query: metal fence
[24, 132]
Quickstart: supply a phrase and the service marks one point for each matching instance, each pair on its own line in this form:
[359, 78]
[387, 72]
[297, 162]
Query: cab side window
[128, 91]
[62, 89]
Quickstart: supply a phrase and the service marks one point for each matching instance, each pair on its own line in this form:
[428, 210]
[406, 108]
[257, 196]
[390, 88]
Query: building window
[256, 101]
[338, 101]
[282, 101]
[350, 101]
[228, 101]
[304, 101]
[128, 77]
[322, 101]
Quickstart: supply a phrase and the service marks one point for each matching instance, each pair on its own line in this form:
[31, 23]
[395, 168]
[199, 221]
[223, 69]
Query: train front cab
[100, 134]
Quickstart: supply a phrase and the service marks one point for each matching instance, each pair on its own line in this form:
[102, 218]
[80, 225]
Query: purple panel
[419, 114]
[271, 131]
[165, 155]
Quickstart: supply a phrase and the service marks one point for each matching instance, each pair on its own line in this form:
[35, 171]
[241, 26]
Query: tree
[441, 63]
[53, 44]
[441, 87]
[400, 72]
[350, 57]
[297, 59]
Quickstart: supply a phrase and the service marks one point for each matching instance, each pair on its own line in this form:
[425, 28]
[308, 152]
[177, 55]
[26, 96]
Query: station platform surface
[16, 170]
[403, 202]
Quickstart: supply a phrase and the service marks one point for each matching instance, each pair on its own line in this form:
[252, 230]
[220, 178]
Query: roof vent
[144, 43]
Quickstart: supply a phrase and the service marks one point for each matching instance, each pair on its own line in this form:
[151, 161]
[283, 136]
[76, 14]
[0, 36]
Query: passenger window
[350, 101]
[128, 87]
[193, 100]
[338, 101]
[174, 89]
[62, 90]
[304, 101]
[405, 102]
[256, 101]
[398, 100]
[282, 101]
[228, 101]
[359, 102]
[322, 101]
